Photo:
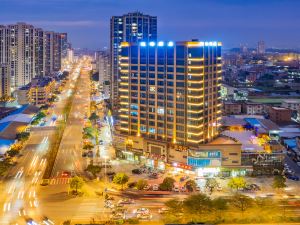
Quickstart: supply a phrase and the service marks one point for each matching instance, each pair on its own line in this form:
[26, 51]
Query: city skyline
[238, 22]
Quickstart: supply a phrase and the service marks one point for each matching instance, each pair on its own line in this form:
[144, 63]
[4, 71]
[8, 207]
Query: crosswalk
[57, 181]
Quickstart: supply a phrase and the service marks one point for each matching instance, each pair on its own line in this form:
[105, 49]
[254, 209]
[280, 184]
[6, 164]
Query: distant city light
[152, 43]
[143, 44]
[160, 43]
[170, 43]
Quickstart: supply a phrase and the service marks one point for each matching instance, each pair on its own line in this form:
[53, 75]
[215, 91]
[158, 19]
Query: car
[163, 210]
[147, 188]
[101, 142]
[126, 201]
[292, 177]
[22, 212]
[176, 189]
[136, 171]
[254, 187]
[183, 189]
[111, 173]
[117, 216]
[183, 178]
[155, 187]
[219, 188]
[143, 216]
[198, 188]
[47, 221]
[66, 174]
[84, 154]
[141, 211]
[153, 175]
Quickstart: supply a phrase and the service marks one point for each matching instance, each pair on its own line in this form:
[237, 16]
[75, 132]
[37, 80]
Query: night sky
[233, 22]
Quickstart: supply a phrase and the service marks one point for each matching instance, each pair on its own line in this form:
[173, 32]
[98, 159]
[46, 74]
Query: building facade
[4, 81]
[29, 52]
[131, 27]
[169, 95]
[278, 114]
[37, 92]
[103, 64]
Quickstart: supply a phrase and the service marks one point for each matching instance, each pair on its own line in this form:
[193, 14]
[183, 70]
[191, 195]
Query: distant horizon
[232, 22]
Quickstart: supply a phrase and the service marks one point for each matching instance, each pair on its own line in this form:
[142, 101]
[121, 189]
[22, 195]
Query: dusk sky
[277, 22]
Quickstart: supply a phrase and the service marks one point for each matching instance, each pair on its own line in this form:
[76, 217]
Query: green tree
[141, 184]
[121, 179]
[174, 205]
[279, 182]
[88, 146]
[167, 184]
[242, 202]
[219, 205]
[211, 184]
[67, 222]
[12, 152]
[22, 136]
[94, 169]
[237, 183]
[196, 205]
[94, 117]
[76, 183]
[191, 185]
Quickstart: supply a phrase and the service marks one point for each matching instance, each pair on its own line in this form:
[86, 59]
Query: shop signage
[180, 148]
[205, 154]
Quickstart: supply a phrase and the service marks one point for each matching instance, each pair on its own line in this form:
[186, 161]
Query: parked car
[292, 177]
[147, 188]
[163, 210]
[155, 187]
[136, 171]
[153, 175]
[183, 178]
[176, 188]
[141, 211]
[143, 216]
[126, 201]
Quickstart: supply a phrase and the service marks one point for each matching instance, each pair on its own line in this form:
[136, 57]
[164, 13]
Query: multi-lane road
[19, 198]
[70, 150]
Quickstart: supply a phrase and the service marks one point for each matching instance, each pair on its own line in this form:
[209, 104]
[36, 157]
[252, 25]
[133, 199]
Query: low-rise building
[220, 156]
[293, 104]
[232, 108]
[37, 92]
[278, 114]
[251, 108]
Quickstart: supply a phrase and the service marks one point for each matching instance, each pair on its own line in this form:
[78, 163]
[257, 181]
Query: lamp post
[105, 158]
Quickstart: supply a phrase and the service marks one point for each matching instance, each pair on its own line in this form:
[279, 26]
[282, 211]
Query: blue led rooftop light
[160, 43]
[152, 43]
[170, 43]
[143, 44]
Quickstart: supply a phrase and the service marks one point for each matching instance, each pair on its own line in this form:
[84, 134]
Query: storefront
[155, 161]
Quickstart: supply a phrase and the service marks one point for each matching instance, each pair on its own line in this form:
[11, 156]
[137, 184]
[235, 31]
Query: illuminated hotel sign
[205, 154]
[204, 158]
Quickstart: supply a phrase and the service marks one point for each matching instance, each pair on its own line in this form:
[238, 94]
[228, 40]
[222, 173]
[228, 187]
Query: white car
[141, 211]
[176, 189]
[155, 187]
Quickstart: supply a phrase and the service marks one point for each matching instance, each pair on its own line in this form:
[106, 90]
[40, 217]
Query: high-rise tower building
[131, 27]
[103, 64]
[261, 48]
[28, 52]
[170, 92]
[21, 54]
[4, 81]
